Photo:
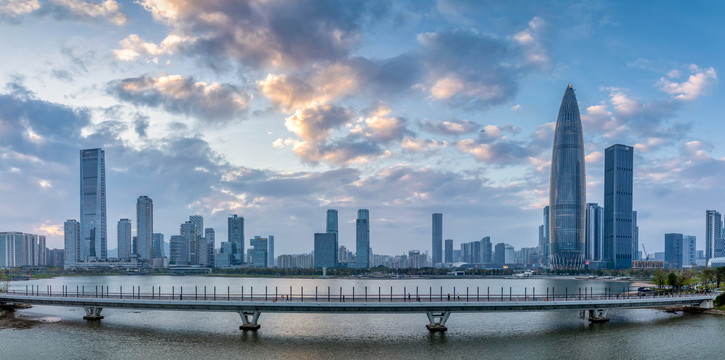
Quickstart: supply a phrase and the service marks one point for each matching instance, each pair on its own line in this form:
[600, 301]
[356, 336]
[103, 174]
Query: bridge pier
[248, 324]
[595, 315]
[440, 325]
[93, 313]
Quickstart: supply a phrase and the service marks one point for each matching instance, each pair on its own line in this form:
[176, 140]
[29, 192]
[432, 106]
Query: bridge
[437, 307]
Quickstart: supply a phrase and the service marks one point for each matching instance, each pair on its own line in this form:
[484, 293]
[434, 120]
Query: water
[60, 332]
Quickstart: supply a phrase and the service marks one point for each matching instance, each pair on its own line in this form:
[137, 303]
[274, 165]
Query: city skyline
[310, 121]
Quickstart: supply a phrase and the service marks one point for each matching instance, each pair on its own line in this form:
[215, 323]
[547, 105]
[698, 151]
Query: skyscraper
[190, 236]
[93, 205]
[544, 246]
[713, 232]
[158, 245]
[635, 237]
[270, 251]
[567, 193]
[449, 251]
[145, 227]
[332, 221]
[438, 238]
[594, 231]
[258, 253]
[673, 250]
[325, 250]
[124, 238]
[618, 230]
[72, 241]
[362, 248]
[209, 236]
[688, 250]
[235, 235]
[486, 250]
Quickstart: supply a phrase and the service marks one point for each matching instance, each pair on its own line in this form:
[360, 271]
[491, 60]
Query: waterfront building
[93, 205]
[325, 250]
[235, 235]
[636, 254]
[178, 251]
[673, 250]
[332, 221]
[158, 240]
[258, 252]
[618, 231]
[21, 249]
[209, 237]
[124, 239]
[416, 260]
[466, 253]
[144, 228]
[270, 251]
[297, 261]
[544, 241]
[362, 236]
[486, 250]
[567, 194]
[188, 232]
[688, 250]
[499, 256]
[449, 251]
[713, 231]
[71, 241]
[437, 238]
[594, 231]
[56, 258]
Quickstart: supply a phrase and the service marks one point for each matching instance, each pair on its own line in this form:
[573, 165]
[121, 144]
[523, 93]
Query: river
[47, 332]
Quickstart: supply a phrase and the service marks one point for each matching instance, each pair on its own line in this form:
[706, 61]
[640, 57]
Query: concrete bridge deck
[593, 307]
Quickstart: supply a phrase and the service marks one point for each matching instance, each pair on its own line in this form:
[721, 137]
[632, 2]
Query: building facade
[567, 194]
[93, 205]
[618, 226]
[235, 235]
[594, 231]
[145, 228]
[362, 236]
[437, 253]
[449, 251]
[673, 250]
[325, 250]
[124, 239]
[71, 242]
[713, 232]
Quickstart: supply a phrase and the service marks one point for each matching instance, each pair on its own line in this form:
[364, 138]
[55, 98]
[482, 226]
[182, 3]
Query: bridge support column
[707, 304]
[595, 315]
[440, 324]
[248, 324]
[93, 313]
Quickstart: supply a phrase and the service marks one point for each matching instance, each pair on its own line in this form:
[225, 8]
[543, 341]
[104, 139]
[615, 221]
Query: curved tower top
[567, 193]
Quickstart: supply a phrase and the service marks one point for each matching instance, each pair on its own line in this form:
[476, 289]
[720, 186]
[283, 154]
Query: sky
[278, 110]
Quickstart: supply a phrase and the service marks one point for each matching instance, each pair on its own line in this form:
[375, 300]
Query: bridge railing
[328, 294]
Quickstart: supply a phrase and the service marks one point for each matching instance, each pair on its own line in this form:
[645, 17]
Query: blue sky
[278, 110]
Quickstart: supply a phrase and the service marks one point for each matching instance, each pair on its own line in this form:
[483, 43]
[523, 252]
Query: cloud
[17, 8]
[498, 152]
[535, 54]
[450, 127]
[88, 10]
[209, 102]
[696, 85]
[262, 34]
[133, 47]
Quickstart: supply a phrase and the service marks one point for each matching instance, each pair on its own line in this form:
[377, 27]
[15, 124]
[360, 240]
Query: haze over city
[277, 111]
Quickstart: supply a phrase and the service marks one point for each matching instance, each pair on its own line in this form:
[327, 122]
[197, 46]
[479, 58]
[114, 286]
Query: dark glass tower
[437, 238]
[93, 205]
[567, 194]
[618, 230]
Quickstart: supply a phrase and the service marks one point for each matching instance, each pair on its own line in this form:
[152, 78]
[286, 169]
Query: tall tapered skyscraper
[567, 193]
[145, 227]
[93, 205]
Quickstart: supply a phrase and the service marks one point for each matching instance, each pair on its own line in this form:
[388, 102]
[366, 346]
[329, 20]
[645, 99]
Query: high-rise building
[713, 232]
[20, 249]
[437, 238]
[145, 227]
[449, 251]
[209, 236]
[486, 250]
[499, 257]
[270, 251]
[635, 237]
[545, 236]
[567, 194]
[93, 205]
[42, 253]
[325, 250]
[178, 251]
[689, 250]
[332, 221]
[618, 230]
[235, 235]
[673, 250]
[594, 231]
[258, 252]
[72, 242]
[362, 248]
[158, 245]
[124, 239]
[191, 238]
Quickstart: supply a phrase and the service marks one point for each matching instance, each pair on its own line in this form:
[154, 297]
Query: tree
[672, 280]
[659, 278]
[708, 275]
[719, 275]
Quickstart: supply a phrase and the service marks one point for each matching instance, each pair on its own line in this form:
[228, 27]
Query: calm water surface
[60, 332]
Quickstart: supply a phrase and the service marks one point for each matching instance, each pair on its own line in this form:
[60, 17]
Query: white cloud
[109, 10]
[15, 8]
[697, 84]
